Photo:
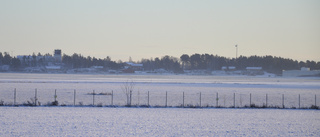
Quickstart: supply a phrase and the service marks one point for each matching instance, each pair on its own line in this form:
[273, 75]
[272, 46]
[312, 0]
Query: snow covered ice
[106, 121]
[158, 85]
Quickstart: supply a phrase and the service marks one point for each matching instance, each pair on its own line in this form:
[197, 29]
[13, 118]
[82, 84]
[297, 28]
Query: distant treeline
[185, 62]
[214, 62]
[79, 61]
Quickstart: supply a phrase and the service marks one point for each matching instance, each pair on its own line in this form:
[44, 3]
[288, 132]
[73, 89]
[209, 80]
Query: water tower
[57, 55]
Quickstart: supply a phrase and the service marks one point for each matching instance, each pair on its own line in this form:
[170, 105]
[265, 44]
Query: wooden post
[299, 100]
[148, 99]
[250, 100]
[93, 98]
[55, 95]
[130, 97]
[240, 100]
[166, 98]
[15, 96]
[35, 97]
[266, 100]
[182, 99]
[234, 100]
[282, 100]
[200, 99]
[217, 100]
[74, 97]
[138, 97]
[112, 98]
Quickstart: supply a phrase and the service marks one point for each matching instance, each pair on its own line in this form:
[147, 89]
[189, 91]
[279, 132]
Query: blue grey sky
[149, 28]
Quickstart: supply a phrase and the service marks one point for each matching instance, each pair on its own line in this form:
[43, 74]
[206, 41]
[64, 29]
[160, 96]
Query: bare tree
[127, 88]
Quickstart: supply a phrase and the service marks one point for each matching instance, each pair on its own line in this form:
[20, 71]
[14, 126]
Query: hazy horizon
[148, 29]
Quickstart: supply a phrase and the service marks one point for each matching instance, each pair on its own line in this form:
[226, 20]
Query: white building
[132, 67]
[299, 73]
[254, 71]
[228, 68]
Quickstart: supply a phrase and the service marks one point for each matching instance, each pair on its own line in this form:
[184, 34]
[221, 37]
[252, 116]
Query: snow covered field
[107, 121]
[101, 121]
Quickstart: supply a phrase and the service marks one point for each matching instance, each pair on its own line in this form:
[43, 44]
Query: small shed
[132, 67]
[254, 71]
[228, 68]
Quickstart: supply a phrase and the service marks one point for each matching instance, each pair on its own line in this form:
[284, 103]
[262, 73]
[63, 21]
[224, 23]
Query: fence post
[299, 100]
[112, 98]
[93, 98]
[200, 99]
[148, 99]
[130, 97]
[55, 95]
[266, 100]
[166, 98]
[182, 99]
[250, 100]
[234, 100]
[35, 97]
[138, 97]
[15, 96]
[74, 97]
[315, 100]
[282, 100]
[217, 100]
[240, 100]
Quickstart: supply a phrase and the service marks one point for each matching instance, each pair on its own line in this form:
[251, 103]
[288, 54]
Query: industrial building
[303, 72]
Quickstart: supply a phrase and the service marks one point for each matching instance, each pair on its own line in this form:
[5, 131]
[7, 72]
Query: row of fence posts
[166, 103]
[234, 100]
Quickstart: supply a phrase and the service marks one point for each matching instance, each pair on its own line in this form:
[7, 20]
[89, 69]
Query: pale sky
[150, 28]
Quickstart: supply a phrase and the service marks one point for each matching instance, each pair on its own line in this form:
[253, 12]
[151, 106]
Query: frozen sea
[279, 91]
[121, 121]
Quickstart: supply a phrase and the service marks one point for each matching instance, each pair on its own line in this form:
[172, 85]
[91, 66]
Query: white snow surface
[106, 121]
[100, 121]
